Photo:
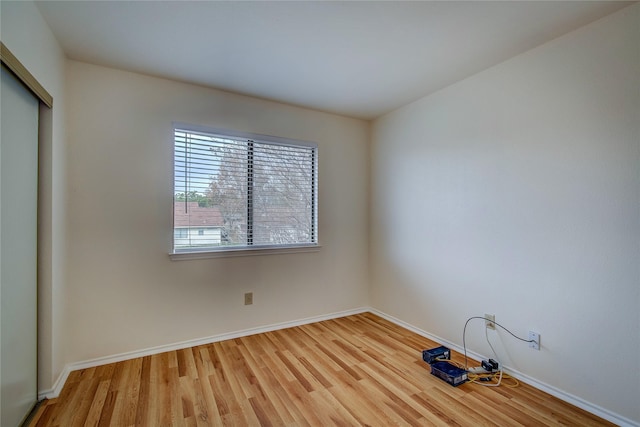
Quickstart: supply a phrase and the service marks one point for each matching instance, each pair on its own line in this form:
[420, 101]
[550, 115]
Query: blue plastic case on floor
[449, 373]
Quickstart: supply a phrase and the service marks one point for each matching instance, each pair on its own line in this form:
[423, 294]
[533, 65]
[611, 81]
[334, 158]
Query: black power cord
[464, 333]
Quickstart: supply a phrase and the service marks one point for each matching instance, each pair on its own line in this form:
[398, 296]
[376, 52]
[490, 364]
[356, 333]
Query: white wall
[521, 182]
[516, 193]
[25, 33]
[124, 292]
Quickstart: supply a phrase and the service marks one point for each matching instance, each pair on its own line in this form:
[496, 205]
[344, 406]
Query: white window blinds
[234, 191]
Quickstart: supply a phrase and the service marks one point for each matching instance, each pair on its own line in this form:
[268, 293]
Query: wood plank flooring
[356, 370]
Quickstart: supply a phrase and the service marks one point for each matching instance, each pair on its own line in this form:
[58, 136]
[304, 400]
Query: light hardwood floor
[356, 370]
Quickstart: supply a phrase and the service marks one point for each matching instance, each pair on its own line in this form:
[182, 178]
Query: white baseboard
[70, 367]
[560, 394]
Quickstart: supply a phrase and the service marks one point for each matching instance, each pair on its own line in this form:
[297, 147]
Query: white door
[18, 251]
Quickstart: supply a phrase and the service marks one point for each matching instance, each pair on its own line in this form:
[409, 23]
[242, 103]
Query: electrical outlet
[489, 321]
[535, 344]
[477, 370]
[248, 298]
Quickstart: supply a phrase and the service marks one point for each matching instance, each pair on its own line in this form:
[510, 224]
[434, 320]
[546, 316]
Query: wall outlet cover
[489, 321]
[248, 298]
[535, 344]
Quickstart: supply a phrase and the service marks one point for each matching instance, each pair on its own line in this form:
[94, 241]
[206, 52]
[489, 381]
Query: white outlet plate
[248, 298]
[489, 321]
[536, 337]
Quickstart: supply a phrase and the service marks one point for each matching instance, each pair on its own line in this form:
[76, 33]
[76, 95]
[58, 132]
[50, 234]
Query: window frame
[248, 250]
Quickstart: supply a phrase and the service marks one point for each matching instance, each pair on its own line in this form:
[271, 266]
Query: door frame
[11, 63]
[14, 65]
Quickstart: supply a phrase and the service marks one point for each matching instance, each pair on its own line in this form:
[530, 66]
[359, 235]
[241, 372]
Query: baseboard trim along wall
[560, 394]
[70, 367]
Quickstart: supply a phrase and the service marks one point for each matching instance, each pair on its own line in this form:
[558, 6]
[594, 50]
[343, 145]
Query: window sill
[227, 253]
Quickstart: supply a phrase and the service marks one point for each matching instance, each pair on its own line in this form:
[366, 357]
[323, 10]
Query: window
[235, 191]
[180, 233]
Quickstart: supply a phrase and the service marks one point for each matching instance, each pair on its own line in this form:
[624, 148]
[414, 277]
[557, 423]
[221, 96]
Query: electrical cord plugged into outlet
[534, 340]
[491, 373]
[487, 367]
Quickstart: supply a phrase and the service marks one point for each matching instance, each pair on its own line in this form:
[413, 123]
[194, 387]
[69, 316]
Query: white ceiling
[356, 58]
